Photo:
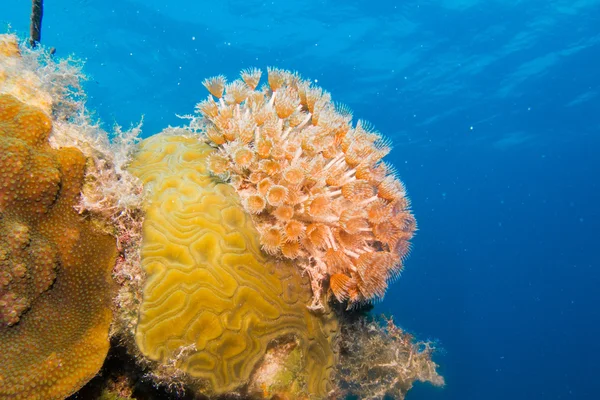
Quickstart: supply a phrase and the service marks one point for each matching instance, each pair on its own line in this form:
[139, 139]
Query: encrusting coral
[55, 291]
[315, 185]
[213, 303]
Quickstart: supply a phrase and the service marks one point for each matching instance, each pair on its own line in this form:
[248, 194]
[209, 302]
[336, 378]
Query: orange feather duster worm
[315, 184]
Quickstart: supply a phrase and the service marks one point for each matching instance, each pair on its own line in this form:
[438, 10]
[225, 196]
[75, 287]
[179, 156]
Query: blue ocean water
[493, 108]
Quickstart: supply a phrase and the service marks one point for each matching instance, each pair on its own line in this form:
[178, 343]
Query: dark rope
[37, 11]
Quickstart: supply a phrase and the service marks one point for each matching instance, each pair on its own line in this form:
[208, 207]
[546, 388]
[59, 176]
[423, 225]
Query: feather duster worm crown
[315, 184]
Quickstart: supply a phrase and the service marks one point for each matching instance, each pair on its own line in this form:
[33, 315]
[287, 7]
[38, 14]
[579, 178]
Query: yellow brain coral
[212, 301]
[316, 186]
[54, 267]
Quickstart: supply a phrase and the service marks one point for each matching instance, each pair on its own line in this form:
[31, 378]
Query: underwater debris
[315, 185]
[35, 28]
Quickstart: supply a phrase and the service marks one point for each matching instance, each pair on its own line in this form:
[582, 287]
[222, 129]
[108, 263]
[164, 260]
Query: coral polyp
[315, 184]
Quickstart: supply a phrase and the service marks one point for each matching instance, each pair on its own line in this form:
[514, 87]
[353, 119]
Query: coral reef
[55, 267]
[265, 204]
[315, 185]
[214, 305]
[380, 360]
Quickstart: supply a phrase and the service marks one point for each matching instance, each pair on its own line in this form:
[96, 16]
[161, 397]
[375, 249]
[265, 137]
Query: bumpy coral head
[55, 287]
[314, 183]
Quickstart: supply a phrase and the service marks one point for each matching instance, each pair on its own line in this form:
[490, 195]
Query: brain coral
[209, 286]
[54, 267]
